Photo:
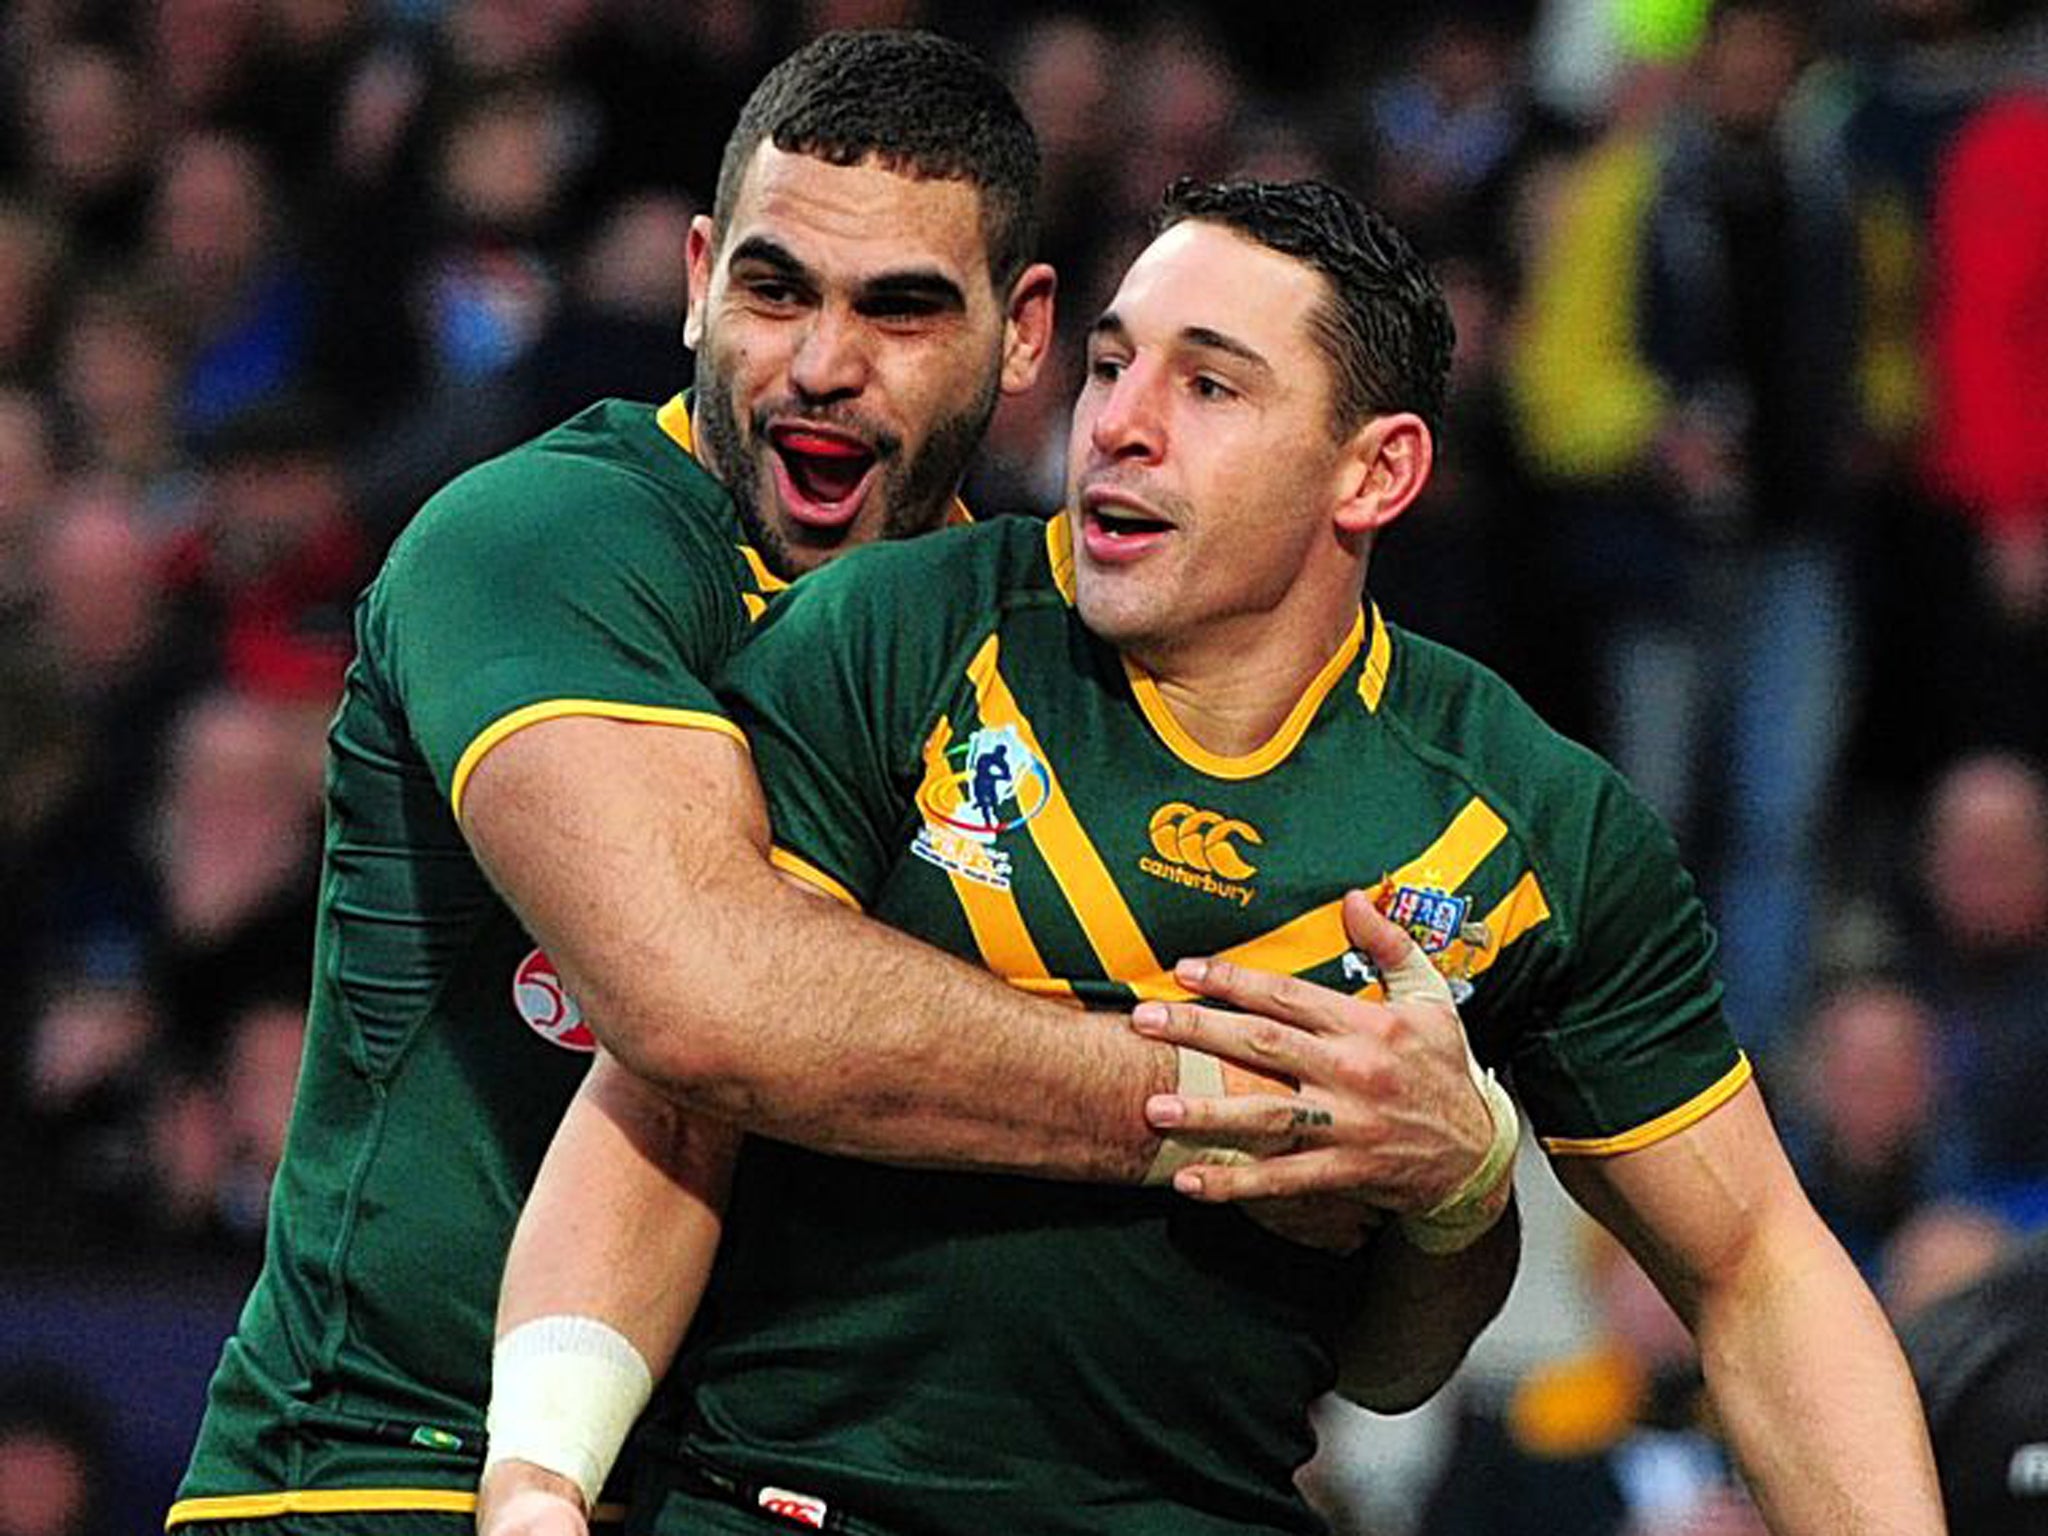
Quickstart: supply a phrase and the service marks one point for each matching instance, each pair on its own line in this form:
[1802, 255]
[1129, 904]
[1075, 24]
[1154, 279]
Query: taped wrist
[1199, 1076]
[565, 1391]
[1465, 1215]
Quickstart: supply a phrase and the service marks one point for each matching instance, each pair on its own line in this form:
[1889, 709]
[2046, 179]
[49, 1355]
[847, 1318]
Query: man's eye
[1107, 369]
[1209, 388]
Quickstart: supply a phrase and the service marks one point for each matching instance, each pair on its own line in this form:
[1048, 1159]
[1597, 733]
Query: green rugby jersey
[945, 746]
[594, 570]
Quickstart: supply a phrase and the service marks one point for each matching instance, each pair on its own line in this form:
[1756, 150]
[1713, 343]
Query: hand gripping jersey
[595, 570]
[945, 746]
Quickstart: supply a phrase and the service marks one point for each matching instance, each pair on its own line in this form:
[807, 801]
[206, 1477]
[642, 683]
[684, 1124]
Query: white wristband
[564, 1393]
[1200, 1076]
[1464, 1216]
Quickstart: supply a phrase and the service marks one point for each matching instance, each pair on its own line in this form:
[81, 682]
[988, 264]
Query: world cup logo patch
[545, 1004]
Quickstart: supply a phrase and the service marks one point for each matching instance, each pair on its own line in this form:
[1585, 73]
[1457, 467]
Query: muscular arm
[637, 855]
[1804, 1370]
[621, 1227]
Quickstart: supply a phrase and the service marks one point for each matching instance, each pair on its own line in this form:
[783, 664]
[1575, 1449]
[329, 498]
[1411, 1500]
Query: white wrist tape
[564, 1392]
[1200, 1076]
[1464, 1216]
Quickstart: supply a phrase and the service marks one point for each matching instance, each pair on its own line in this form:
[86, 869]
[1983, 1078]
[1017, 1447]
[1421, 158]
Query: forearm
[623, 1220]
[1837, 1445]
[1420, 1315]
[865, 1043]
[637, 856]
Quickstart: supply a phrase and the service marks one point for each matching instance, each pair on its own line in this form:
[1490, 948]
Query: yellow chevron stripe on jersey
[1276, 748]
[1670, 1123]
[556, 709]
[1461, 848]
[1006, 946]
[1512, 916]
[1098, 905]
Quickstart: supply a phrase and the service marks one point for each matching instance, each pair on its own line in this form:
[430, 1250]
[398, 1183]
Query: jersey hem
[554, 709]
[1670, 1123]
[341, 1501]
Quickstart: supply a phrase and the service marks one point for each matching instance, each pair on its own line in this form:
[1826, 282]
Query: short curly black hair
[1385, 325]
[918, 103]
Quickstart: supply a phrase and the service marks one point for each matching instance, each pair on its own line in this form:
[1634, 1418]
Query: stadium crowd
[1746, 487]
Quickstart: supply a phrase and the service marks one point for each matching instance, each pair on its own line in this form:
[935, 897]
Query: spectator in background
[1987, 455]
[119, 356]
[1718, 461]
[615, 330]
[217, 247]
[55, 1456]
[235, 852]
[1611, 1441]
[1984, 873]
[1863, 1131]
[88, 148]
[265, 578]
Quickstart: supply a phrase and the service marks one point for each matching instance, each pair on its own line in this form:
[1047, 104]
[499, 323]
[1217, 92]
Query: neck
[1231, 689]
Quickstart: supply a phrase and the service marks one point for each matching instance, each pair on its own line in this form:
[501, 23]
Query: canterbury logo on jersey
[1201, 850]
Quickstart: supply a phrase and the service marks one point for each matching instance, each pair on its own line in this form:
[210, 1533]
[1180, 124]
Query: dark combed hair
[919, 104]
[1384, 323]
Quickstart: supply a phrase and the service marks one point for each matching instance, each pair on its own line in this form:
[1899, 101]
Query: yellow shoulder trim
[343, 1501]
[1276, 749]
[674, 419]
[1670, 1123]
[799, 868]
[554, 709]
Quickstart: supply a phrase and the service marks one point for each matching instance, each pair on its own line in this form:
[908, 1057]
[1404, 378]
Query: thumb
[1393, 951]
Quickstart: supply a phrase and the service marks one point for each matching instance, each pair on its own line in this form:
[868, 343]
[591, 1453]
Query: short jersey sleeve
[1633, 1046]
[838, 691]
[540, 585]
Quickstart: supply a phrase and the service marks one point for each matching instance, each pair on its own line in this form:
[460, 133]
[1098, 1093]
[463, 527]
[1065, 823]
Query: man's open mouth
[823, 476]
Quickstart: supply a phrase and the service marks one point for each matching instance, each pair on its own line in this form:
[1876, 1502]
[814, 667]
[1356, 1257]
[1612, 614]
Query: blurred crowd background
[1746, 484]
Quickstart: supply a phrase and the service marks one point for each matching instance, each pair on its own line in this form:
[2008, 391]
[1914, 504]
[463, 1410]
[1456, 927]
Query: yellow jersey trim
[674, 418]
[342, 1501]
[1277, 748]
[770, 582]
[555, 709]
[1379, 656]
[1670, 1123]
[1090, 890]
[801, 868]
[1517, 912]
[1059, 553]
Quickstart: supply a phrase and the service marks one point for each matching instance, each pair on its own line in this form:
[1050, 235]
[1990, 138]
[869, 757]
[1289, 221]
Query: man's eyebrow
[1217, 341]
[770, 253]
[1112, 328]
[922, 285]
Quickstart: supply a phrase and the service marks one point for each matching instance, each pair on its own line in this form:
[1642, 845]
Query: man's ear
[700, 247]
[1027, 327]
[1384, 468]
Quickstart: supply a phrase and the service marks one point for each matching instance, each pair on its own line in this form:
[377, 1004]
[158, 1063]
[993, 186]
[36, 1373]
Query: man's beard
[916, 496]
